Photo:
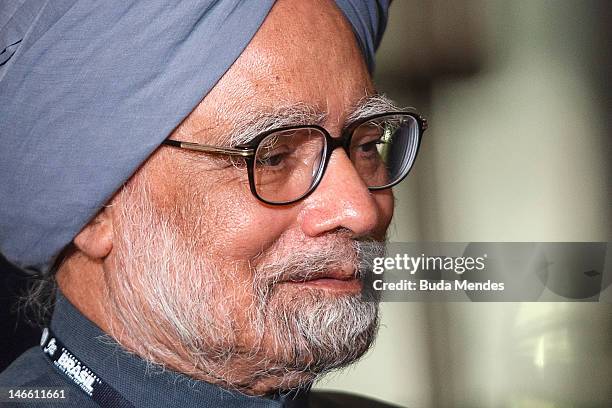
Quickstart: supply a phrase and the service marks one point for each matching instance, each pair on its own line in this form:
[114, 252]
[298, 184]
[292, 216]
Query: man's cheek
[257, 229]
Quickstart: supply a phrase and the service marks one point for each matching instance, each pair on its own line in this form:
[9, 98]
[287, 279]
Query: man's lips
[344, 285]
[343, 279]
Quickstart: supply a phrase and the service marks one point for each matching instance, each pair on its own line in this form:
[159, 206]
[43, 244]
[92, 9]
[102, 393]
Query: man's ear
[96, 239]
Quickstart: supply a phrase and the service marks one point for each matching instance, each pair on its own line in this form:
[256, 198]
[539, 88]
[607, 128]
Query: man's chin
[315, 328]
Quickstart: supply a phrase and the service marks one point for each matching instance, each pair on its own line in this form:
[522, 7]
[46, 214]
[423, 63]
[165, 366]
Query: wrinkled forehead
[302, 61]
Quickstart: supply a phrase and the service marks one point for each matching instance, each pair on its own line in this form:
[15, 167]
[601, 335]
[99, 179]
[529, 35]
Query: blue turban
[88, 90]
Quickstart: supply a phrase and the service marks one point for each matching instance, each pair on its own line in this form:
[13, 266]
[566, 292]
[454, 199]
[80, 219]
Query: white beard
[169, 304]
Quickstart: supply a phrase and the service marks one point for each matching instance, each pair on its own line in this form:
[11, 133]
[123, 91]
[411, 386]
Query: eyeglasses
[287, 164]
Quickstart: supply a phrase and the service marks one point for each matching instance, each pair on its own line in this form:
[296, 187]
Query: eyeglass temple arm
[424, 122]
[230, 151]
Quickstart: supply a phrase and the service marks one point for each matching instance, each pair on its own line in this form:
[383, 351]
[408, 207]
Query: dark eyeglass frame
[248, 150]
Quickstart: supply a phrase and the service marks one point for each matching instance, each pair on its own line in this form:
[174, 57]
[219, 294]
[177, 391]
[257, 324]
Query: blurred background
[518, 95]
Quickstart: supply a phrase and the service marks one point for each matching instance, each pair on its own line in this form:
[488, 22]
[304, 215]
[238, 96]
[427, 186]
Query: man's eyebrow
[255, 123]
[371, 105]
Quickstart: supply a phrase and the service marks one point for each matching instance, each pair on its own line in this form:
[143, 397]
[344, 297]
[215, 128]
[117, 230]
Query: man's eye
[274, 159]
[271, 161]
[370, 146]
[368, 149]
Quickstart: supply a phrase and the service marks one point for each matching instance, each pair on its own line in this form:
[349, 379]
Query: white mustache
[337, 258]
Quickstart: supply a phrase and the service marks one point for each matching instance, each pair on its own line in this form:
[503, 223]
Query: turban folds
[88, 90]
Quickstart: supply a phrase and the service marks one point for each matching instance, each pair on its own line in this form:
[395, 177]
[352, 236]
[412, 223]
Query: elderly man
[206, 252]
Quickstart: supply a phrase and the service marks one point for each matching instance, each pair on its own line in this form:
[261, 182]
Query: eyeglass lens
[289, 163]
[383, 149]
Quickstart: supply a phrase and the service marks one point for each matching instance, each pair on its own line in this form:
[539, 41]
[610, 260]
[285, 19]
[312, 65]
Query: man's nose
[342, 200]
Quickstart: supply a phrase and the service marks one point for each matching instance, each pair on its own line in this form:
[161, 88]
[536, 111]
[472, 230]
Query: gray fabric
[89, 89]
